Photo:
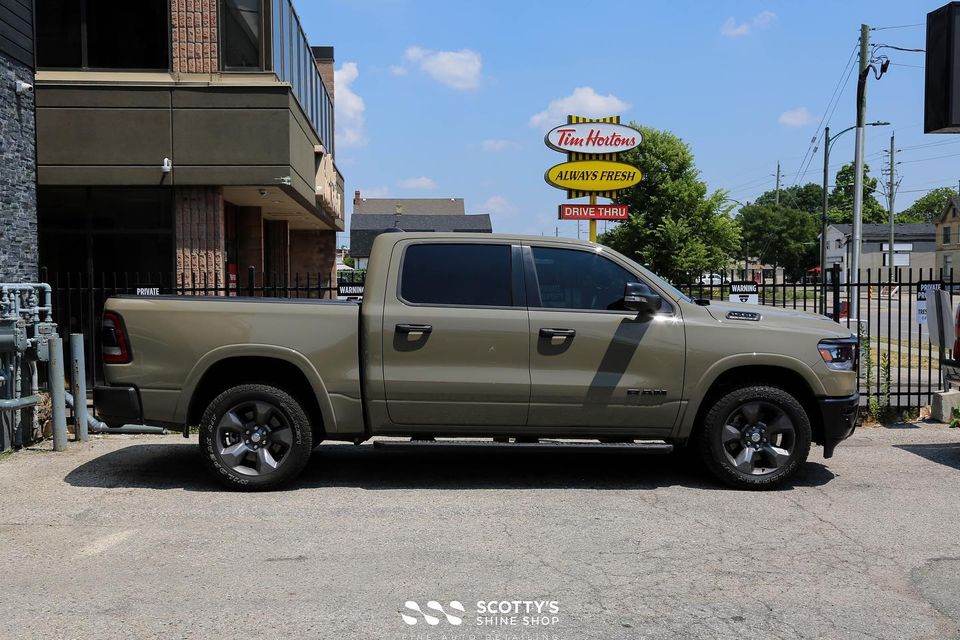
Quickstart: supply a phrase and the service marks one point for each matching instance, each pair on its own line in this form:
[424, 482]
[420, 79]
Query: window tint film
[571, 279]
[476, 275]
[240, 25]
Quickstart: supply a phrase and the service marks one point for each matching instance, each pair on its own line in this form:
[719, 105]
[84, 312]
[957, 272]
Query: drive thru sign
[744, 292]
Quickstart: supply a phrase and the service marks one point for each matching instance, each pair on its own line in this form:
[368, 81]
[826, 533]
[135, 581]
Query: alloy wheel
[253, 438]
[758, 438]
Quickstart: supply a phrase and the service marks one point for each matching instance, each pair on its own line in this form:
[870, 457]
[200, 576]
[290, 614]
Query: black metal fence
[899, 366]
[78, 298]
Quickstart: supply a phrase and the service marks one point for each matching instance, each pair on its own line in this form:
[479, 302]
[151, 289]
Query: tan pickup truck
[483, 336]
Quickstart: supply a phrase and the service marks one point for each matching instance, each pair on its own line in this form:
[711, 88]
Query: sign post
[592, 167]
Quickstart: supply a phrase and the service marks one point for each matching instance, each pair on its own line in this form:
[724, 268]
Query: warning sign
[744, 292]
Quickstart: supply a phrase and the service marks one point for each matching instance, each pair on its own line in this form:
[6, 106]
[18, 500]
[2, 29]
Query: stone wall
[194, 36]
[199, 235]
[18, 176]
[314, 252]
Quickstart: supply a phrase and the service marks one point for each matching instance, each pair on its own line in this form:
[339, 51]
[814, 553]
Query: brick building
[183, 140]
[18, 177]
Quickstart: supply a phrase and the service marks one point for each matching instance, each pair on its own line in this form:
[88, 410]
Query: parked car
[481, 335]
[715, 279]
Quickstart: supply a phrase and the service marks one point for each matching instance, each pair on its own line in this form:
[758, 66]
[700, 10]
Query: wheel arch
[282, 368]
[777, 375]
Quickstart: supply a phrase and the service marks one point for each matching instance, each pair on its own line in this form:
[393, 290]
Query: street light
[827, 143]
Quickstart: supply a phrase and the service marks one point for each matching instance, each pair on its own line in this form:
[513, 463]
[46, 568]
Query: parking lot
[127, 538]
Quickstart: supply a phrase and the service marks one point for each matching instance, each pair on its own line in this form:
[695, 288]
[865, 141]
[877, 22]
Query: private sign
[593, 175]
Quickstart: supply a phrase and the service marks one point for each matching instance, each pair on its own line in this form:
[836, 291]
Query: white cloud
[732, 29]
[798, 117]
[458, 69]
[349, 107]
[584, 101]
[422, 182]
[498, 205]
[497, 146]
[374, 192]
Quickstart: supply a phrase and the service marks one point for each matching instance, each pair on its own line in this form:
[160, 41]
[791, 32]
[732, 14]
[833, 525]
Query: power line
[898, 26]
[951, 155]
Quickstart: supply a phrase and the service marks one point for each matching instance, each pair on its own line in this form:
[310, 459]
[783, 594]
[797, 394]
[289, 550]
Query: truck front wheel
[755, 437]
[255, 437]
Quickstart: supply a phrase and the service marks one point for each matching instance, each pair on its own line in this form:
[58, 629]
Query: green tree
[841, 198]
[806, 197]
[928, 207]
[675, 227]
[781, 236]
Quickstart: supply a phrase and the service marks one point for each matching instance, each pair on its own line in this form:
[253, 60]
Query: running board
[653, 447]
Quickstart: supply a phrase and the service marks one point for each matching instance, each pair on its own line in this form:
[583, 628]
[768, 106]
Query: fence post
[78, 386]
[251, 279]
[57, 399]
[835, 286]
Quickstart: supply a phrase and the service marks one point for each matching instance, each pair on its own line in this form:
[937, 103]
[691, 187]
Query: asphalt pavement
[125, 537]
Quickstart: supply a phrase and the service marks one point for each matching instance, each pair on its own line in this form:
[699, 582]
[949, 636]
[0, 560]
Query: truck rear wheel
[755, 437]
[255, 437]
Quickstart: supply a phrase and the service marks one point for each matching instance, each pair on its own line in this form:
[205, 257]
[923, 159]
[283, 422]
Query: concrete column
[199, 231]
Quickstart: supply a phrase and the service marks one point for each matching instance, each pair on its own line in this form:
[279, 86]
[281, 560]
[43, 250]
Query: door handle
[414, 328]
[557, 333]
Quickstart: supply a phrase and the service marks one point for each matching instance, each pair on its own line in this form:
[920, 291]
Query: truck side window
[571, 279]
[475, 275]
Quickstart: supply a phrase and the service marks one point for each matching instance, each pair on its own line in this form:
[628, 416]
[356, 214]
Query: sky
[452, 99]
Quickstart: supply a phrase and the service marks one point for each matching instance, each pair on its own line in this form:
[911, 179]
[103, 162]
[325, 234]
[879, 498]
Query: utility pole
[890, 196]
[823, 221]
[858, 166]
[776, 198]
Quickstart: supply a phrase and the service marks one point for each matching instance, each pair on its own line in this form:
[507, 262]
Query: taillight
[113, 339]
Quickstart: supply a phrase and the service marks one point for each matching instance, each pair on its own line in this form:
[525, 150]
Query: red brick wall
[199, 229]
[194, 33]
[313, 252]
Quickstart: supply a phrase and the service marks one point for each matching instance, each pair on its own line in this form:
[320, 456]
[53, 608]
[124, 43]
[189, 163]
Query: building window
[948, 265]
[946, 235]
[240, 34]
[475, 275]
[103, 34]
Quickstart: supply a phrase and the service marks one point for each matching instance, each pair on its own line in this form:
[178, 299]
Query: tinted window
[119, 34]
[240, 29]
[476, 275]
[571, 279]
[58, 33]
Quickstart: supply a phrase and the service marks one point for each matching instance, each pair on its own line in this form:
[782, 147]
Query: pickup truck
[483, 336]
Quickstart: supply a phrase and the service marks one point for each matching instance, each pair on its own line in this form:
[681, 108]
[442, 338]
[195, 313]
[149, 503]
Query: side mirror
[638, 297]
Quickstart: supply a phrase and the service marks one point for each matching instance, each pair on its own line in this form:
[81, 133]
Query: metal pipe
[57, 400]
[78, 385]
[15, 404]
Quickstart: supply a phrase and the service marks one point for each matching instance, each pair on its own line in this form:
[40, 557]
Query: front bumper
[118, 406]
[839, 419]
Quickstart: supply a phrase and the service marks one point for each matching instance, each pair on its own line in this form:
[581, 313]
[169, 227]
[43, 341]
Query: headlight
[840, 354]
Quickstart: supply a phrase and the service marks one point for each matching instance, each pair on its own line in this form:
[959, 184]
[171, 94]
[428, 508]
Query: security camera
[24, 87]
[262, 192]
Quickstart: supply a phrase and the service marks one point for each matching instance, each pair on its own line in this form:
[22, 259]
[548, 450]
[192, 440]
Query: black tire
[255, 437]
[773, 441]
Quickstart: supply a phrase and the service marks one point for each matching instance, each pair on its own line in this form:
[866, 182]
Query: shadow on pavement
[945, 453]
[178, 466]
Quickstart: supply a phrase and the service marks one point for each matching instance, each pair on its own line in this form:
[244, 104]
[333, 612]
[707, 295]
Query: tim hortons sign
[594, 212]
[593, 137]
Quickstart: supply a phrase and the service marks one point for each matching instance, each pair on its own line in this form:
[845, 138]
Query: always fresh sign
[593, 137]
[593, 175]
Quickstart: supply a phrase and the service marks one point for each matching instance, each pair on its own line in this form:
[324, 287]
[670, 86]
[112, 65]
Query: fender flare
[699, 390]
[291, 356]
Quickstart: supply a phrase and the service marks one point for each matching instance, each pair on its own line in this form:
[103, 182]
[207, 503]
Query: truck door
[455, 331]
[592, 363]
